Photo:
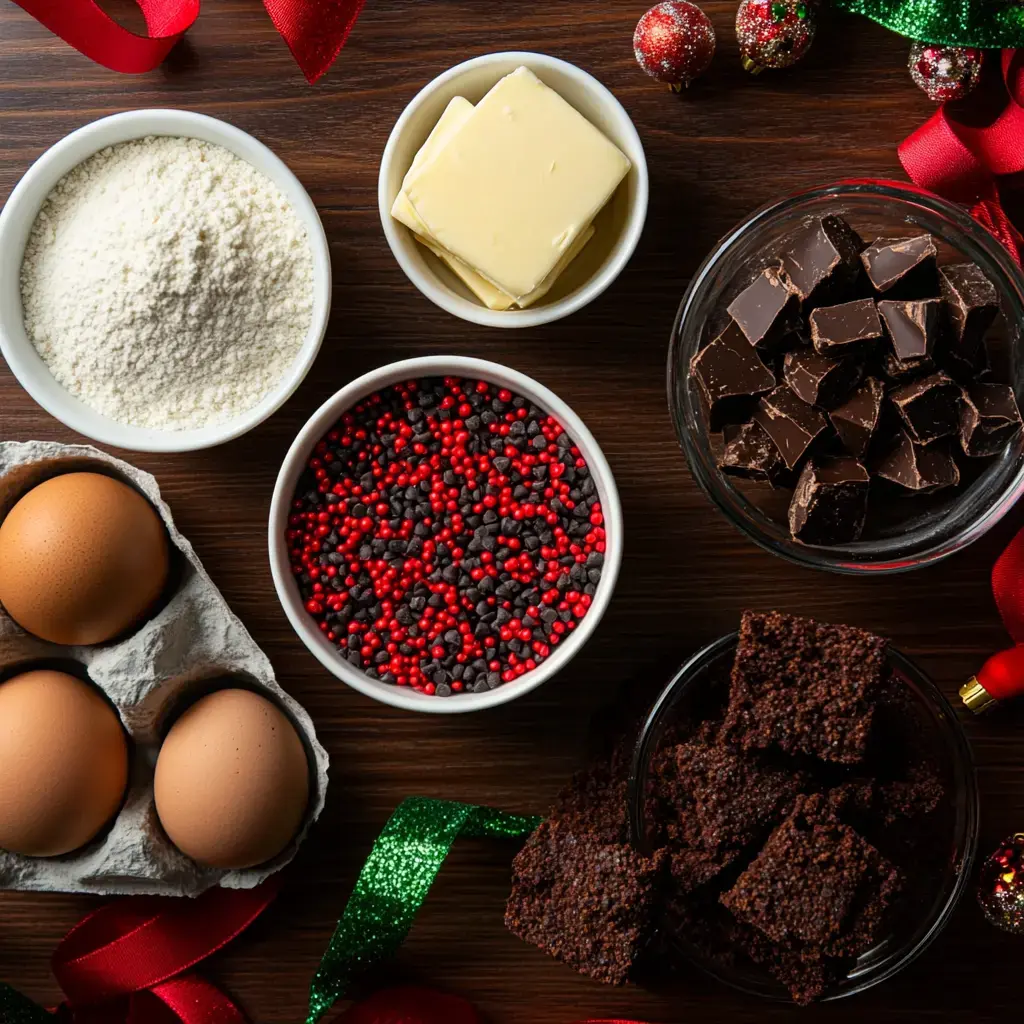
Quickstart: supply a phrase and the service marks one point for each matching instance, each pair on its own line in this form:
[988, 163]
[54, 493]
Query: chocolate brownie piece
[804, 687]
[815, 884]
[587, 903]
[913, 797]
[713, 802]
[595, 801]
[733, 796]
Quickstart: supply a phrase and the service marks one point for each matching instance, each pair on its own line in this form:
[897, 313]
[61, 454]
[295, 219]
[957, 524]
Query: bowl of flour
[165, 281]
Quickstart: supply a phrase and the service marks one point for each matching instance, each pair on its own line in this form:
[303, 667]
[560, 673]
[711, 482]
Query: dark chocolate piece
[903, 371]
[902, 268]
[804, 687]
[857, 419]
[911, 326]
[844, 329]
[751, 453]
[824, 261]
[767, 309]
[791, 423]
[930, 407]
[821, 380]
[919, 468]
[971, 305]
[829, 502]
[813, 878]
[963, 367]
[730, 376]
[989, 419]
[584, 902]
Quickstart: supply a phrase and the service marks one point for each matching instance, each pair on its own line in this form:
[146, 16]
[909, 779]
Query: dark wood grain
[732, 143]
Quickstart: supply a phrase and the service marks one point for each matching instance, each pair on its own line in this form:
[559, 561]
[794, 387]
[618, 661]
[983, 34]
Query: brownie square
[584, 902]
[804, 687]
[734, 798]
[595, 802]
[815, 883]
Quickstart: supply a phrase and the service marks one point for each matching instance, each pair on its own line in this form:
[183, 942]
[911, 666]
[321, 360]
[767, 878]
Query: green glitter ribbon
[18, 1009]
[987, 24]
[395, 881]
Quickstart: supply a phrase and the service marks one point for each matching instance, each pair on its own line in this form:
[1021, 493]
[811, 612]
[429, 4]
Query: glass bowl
[935, 526]
[687, 697]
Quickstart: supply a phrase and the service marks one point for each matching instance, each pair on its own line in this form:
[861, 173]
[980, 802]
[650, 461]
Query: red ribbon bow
[965, 162]
[129, 961]
[315, 30]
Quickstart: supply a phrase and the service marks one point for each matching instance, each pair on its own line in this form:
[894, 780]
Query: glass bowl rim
[1011, 283]
[966, 773]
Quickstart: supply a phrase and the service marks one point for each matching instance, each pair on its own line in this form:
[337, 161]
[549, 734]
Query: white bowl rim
[534, 316]
[321, 421]
[136, 124]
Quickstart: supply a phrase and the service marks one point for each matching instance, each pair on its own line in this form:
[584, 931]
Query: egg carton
[193, 640]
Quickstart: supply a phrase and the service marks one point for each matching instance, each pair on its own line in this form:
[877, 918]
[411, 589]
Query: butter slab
[516, 184]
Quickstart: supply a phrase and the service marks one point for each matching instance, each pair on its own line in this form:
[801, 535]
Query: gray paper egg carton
[193, 638]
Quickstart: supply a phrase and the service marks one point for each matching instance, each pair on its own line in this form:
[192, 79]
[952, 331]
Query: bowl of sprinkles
[445, 534]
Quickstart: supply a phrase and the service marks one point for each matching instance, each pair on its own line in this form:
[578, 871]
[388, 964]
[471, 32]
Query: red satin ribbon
[126, 963]
[965, 162]
[315, 30]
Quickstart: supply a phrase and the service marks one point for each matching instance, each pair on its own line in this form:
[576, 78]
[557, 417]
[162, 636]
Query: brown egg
[82, 558]
[63, 763]
[232, 780]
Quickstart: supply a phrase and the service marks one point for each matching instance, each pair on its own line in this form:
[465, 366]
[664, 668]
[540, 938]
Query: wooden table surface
[715, 154]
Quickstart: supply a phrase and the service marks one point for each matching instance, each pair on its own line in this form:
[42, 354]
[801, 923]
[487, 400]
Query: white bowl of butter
[513, 189]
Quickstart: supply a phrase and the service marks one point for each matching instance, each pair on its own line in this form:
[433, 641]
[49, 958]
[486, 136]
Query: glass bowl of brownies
[813, 794]
[844, 376]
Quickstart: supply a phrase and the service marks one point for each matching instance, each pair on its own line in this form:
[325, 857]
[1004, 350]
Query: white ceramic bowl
[16, 222]
[618, 226]
[295, 462]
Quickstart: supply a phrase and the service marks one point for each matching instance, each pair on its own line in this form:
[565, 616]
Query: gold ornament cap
[975, 697]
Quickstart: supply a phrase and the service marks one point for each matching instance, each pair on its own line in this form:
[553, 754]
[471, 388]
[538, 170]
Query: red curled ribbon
[129, 961]
[966, 162]
[315, 30]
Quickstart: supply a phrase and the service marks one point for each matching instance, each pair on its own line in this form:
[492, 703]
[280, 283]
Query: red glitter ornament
[945, 72]
[674, 43]
[774, 33]
[1001, 885]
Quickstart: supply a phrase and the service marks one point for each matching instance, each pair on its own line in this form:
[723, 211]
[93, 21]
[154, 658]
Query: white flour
[167, 283]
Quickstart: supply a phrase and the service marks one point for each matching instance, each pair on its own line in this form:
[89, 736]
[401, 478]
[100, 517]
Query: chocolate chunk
[821, 380]
[902, 268]
[804, 687]
[584, 902]
[963, 367]
[730, 376]
[930, 407]
[767, 309]
[791, 423]
[989, 419]
[919, 468]
[971, 305]
[856, 420]
[841, 330]
[911, 326]
[903, 371]
[824, 261]
[751, 453]
[811, 880]
[829, 502]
